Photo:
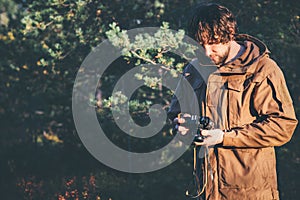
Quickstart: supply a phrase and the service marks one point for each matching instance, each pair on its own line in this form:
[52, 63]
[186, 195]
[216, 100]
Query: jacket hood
[253, 52]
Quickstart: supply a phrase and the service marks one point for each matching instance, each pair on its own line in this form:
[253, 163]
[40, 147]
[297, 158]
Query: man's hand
[182, 129]
[212, 137]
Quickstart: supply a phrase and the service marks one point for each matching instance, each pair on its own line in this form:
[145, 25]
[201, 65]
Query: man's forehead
[215, 45]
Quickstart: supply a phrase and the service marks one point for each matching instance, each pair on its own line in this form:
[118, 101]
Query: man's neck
[234, 51]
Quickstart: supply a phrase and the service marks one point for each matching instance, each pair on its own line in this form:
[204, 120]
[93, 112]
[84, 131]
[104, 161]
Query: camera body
[197, 123]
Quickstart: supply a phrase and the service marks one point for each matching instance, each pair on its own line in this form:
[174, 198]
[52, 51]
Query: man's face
[218, 53]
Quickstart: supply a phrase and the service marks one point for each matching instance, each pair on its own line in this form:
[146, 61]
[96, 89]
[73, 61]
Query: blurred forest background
[42, 45]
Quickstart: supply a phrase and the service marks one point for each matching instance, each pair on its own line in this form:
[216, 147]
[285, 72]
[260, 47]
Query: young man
[249, 103]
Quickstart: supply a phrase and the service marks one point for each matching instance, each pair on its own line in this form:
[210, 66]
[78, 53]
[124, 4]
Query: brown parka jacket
[249, 100]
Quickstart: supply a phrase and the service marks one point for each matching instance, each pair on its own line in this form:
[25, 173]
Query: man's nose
[207, 50]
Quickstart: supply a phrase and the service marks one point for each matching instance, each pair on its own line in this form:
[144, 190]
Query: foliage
[152, 49]
[157, 49]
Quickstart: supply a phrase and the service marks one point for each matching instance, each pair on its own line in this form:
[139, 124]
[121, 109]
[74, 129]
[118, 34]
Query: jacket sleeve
[276, 120]
[183, 95]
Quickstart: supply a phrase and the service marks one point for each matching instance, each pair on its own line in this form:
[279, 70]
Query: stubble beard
[221, 59]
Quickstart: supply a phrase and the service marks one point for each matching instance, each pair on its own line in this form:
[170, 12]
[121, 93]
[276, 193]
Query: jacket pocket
[245, 168]
[215, 93]
[239, 98]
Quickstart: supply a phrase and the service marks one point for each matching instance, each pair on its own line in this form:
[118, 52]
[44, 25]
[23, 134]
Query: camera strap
[207, 167]
[208, 163]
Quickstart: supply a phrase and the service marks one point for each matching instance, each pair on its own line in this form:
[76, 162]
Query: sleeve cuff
[229, 138]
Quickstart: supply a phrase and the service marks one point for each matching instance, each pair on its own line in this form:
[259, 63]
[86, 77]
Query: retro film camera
[195, 124]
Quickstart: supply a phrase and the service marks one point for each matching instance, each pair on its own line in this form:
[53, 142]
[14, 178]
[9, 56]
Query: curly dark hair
[212, 24]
